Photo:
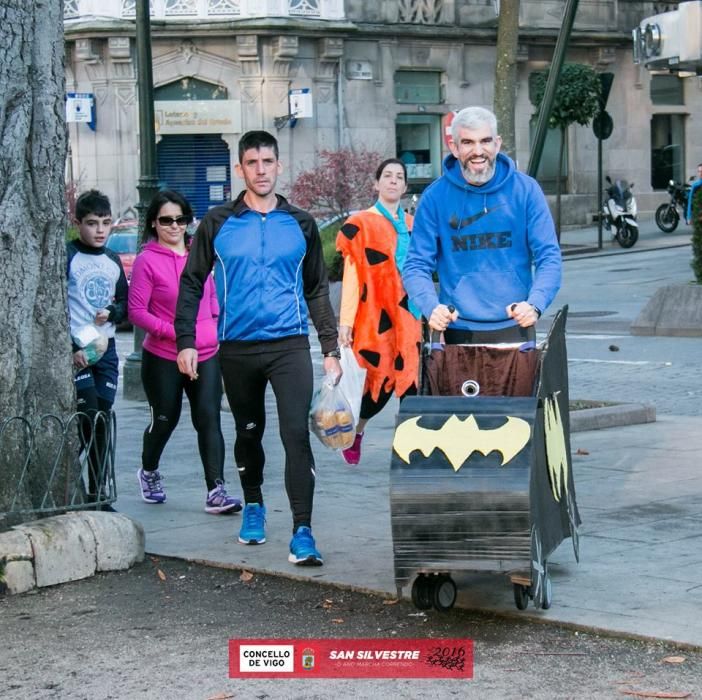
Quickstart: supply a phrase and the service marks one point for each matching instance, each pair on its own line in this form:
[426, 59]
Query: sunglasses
[170, 220]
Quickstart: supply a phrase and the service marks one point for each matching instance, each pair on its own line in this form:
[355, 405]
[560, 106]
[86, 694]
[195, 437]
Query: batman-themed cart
[481, 478]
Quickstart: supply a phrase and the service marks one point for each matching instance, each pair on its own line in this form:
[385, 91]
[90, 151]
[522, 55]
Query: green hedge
[332, 258]
[697, 235]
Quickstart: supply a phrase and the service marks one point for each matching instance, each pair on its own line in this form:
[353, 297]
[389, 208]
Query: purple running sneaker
[219, 501]
[151, 489]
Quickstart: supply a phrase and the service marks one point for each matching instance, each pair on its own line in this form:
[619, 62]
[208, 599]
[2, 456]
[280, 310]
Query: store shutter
[197, 166]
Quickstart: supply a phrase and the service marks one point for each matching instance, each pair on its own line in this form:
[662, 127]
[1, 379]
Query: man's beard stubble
[478, 178]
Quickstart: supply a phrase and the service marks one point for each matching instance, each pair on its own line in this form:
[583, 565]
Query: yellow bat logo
[458, 439]
[556, 454]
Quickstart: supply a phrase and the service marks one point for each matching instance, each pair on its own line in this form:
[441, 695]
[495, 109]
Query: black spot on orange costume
[386, 335]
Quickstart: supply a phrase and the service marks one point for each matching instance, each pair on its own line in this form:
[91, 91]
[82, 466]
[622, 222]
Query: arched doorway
[192, 159]
[197, 166]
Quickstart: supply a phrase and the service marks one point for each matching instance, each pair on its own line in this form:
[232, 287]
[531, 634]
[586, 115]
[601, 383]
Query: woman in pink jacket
[153, 293]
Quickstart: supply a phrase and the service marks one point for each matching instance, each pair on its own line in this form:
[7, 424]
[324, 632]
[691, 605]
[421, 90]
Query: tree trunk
[35, 350]
[506, 73]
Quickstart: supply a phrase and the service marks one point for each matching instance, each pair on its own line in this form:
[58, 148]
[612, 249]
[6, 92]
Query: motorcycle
[619, 210]
[667, 215]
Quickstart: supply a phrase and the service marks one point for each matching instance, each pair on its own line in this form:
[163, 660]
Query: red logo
[351, 658]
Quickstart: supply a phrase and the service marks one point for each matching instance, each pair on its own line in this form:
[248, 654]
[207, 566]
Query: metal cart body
[485, 483]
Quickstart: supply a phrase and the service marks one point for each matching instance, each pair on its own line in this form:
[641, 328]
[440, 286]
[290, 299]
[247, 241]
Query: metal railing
[54, 465]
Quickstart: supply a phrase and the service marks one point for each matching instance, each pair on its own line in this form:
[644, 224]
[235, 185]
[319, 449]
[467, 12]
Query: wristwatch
[538, 311]
[333, 353]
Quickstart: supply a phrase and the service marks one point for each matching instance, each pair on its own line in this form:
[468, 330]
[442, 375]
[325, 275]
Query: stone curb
[67, 548]
[611, 416]
[675, 310]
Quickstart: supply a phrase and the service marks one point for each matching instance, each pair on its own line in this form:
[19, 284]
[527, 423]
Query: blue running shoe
[254, 523]
[303, 551]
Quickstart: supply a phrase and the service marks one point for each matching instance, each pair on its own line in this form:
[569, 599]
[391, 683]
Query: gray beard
[478, 178]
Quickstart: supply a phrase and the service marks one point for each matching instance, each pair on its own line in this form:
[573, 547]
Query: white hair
[473, 118]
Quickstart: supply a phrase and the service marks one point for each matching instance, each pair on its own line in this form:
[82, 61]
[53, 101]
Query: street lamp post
[569, 12]
[148, 180]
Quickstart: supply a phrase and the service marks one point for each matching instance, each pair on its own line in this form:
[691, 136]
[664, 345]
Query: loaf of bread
[334, 428]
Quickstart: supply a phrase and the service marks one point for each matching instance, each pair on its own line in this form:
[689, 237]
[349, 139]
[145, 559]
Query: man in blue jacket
[269, 272]
[487, 231]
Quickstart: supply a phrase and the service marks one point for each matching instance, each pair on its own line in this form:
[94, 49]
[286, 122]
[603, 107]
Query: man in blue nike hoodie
[487, 231]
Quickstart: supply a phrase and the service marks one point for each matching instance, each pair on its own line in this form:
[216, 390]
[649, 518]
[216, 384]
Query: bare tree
[341, 181]
[506, 73]
[35, 351]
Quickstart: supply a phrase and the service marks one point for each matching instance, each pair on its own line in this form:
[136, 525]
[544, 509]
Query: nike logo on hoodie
[455, 224]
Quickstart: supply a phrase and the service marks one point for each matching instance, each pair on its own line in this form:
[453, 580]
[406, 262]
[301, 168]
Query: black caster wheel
[572, 522]
[422, 592]
[537, 568]
[521, 596]
[443, 593]
[546, 590]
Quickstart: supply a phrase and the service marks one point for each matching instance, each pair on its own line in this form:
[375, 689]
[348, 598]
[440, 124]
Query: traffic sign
[447, 121]
[606, 80]
[603, 125]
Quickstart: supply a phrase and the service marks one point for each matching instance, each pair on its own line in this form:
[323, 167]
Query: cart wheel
[521, 596]
[444, 593]
[537, 568]
[546, 592]
[574, 536]
[422, 590]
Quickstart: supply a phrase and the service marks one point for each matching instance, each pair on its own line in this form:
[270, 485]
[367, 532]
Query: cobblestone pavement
[605, 295]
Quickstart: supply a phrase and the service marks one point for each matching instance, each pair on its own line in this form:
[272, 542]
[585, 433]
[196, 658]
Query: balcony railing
[204, 9]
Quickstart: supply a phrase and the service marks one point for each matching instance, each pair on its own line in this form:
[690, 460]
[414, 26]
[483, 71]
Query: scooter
[619, 211]
[667, 215]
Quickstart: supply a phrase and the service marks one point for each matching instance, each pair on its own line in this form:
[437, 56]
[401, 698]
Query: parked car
[124, 241]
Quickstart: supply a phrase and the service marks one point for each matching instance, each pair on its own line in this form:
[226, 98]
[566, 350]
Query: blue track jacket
[268, 270]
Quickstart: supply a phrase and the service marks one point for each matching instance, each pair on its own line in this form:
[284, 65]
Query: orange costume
[386, 336]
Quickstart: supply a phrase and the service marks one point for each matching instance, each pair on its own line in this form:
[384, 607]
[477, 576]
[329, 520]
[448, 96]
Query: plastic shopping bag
[331, 419]
[352, 381]
[93, 343]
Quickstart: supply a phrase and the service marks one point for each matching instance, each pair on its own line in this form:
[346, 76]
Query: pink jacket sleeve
[214, 304]
[140, 288]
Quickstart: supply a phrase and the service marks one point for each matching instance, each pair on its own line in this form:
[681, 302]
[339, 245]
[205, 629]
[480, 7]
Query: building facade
[324, 74]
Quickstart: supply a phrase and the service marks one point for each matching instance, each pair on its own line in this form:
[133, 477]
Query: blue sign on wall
[80, 107]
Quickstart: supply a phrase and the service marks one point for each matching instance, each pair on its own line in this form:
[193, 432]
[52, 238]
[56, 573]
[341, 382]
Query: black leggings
[164, 385]
[95, 428]
[245, 380]
[370, 408]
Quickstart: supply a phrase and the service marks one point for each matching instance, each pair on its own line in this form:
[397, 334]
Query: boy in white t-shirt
[97, 302]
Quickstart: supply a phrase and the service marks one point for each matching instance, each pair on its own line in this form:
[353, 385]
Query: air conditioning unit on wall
[671, 40]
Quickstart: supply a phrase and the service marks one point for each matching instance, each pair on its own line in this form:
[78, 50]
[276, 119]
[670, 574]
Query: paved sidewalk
[639, 490]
